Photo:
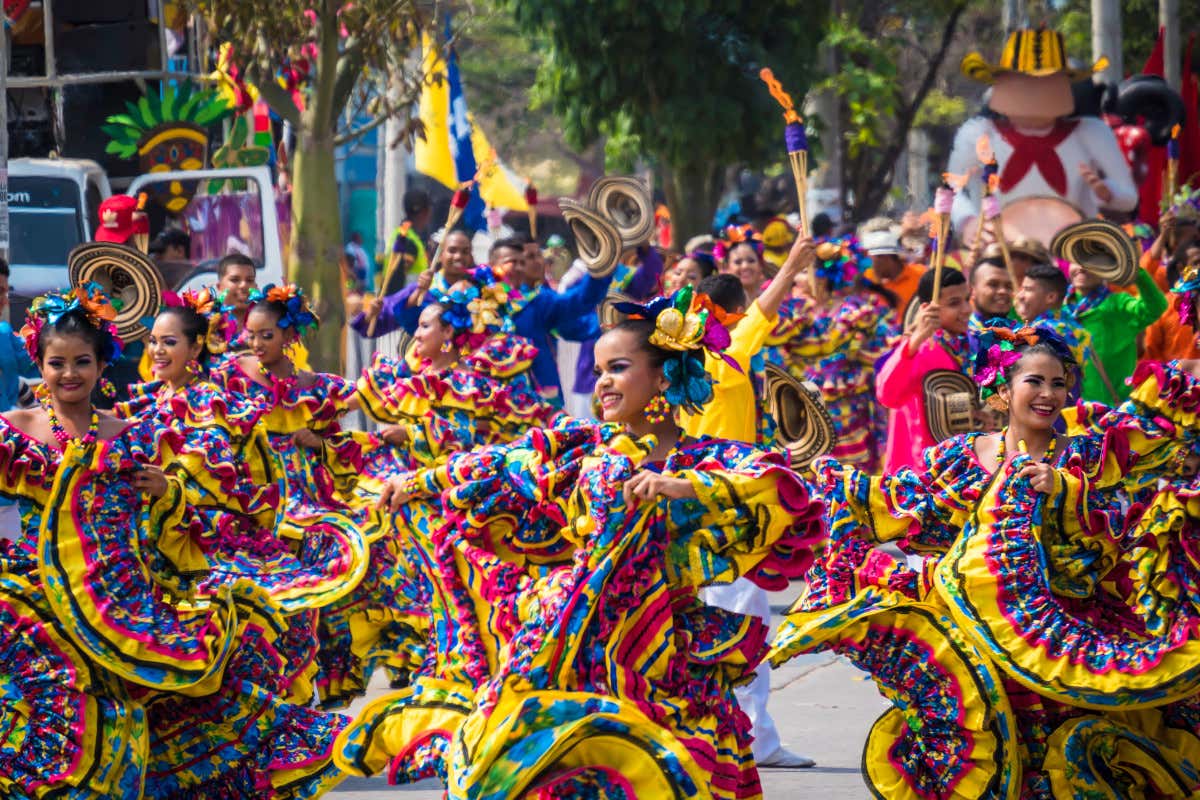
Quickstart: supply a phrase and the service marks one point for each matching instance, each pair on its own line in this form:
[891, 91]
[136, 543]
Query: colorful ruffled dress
[836, 349]
[315, 519]
[1049, 647]
[121, 681]
[571, 654]
[487, 398]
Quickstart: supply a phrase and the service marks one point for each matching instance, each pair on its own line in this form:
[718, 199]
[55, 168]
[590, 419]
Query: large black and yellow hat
[805, 428]
[1033, 52]
[128, 276]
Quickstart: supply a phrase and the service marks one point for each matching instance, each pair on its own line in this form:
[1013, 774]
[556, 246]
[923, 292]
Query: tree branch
[869, 202]
[362, 130]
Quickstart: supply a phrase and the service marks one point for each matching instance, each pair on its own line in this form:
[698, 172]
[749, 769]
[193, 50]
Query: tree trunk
[316, 251]
[693, 191]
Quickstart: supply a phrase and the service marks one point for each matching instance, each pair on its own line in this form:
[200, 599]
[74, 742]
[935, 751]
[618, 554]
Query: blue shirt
[540, 317]
[15, 364]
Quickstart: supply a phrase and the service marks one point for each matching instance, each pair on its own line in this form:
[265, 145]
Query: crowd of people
[563, 567]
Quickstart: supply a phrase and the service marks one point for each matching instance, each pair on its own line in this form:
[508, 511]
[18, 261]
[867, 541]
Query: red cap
[116, 219]
[531, 195]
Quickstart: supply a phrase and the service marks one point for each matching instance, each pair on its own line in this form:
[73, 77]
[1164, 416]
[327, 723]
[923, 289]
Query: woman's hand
[308, 439]
[1041, 477]
[647, 485]
[395, 493]
[394, 435]
[151, 480]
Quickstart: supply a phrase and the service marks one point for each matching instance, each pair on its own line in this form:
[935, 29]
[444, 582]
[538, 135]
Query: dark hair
[990, 261]
[822, 225]
[950, 277]
[864, 287]
[754, 244]
[195, 328]
[644, 328]
[1058, 353]
[172, 237]
[724, 290]
[415, 201]
[708, 264]
[508, 243]
[1050, 277]
[76, 323]
[4, 272]
[232, 259]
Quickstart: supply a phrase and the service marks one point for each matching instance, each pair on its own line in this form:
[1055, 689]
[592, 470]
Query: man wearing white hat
[888, 268]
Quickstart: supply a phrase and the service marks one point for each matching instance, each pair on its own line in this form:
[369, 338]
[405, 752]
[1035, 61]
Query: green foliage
[941, 110]
[1139, 29]
[865, 81]
[677, 77]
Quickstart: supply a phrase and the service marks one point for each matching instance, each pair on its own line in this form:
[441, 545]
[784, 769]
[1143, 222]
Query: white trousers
[744, 597]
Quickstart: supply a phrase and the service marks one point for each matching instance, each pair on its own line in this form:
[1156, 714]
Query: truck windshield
[44, 220]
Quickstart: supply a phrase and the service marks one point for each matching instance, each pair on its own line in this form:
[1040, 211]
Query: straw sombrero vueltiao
[609, 316]
[129, 277]
[1036, 52]
[1100, 247]
[804, 426]
[626, 203]
[596, 239]
[950, 400]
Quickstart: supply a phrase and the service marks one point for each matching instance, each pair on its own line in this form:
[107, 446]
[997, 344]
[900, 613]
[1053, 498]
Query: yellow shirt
[731, 412]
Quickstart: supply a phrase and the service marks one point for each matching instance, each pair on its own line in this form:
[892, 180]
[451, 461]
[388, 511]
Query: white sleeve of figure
[963, 159]
[1107, 158]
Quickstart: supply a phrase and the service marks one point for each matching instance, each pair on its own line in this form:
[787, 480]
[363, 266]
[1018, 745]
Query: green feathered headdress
[181, 105]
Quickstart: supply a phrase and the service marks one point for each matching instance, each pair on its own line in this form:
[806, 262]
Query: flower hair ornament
[686, 323]
[89, 299]
[1188, 287]
[477, 308]
[296, 315]
[997, 349]
[208, 304]
[840, 261]
[735, 235]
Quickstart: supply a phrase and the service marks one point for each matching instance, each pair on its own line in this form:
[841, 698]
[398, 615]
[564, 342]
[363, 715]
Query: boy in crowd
[1040, 301]
[991, 294]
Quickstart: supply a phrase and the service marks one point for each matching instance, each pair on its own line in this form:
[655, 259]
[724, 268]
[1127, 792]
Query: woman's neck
[443, 361]
[283, 368]
[1037, 442]
[79, 413]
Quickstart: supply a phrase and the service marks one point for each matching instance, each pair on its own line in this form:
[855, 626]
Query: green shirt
[1115, 324]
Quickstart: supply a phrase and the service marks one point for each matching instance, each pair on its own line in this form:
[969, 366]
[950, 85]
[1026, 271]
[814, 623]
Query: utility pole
[1106, 38]
[1168, 19]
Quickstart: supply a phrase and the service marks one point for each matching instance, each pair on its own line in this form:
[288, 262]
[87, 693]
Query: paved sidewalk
[822, 706]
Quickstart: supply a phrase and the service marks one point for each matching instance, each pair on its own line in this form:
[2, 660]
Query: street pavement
[822, 706]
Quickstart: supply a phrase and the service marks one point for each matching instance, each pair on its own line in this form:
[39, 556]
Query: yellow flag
[432, 154]
[496, 185]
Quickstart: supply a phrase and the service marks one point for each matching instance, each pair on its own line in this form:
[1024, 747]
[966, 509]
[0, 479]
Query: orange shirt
[904, 285]
[1167, 338]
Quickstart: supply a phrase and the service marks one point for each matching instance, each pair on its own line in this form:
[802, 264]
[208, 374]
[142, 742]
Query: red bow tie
[1031, 151]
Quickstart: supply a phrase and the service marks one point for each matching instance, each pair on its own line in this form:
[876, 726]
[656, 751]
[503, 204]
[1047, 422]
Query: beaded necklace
[62, 436]
[1002, 450]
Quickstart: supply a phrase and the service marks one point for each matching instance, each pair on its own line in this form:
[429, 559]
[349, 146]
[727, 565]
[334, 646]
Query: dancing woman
[1019, 655]
[604, 671]
[298, 410]
[833, 339]
[95, 649]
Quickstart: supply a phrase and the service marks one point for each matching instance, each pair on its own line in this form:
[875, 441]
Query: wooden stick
[799, 163]
[939, 258]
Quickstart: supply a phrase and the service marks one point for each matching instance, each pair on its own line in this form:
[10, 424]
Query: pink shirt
[898, 386]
